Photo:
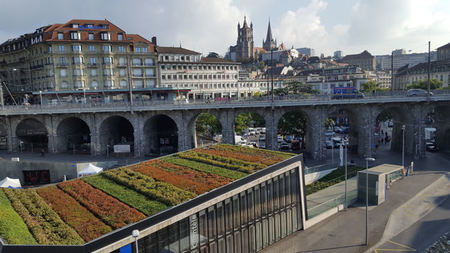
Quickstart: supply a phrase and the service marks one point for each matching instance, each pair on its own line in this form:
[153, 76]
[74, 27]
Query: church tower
[270, 43]
[244, 44]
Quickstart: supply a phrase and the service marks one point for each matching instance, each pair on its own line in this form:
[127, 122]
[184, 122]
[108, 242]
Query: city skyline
[207, 26]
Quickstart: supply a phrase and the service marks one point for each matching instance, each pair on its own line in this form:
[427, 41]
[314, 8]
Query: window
[119, 36]
[145, 50]
[63, 72]
[121, 61]
[90, 36]
[105, 36]
[137, 62]
[64, 85]
[50, 49]
[148, 61]
[122, 72]
[74, 35]
[76, 48]
[137, 72]
[93, 72]
[78, 84]
[137, 49]
[123, 83]
[62, 60]
[149, 72]
[120, 49]
[107, 60]
[93, 60]
[92, 48]
[212, 223]
[138, 83]
[94, 84]
[108, 72]
[60, 36]
[150, 83]
[77, 72]
[77, 60]
[109, 83]
[61, 48]
[106, 48]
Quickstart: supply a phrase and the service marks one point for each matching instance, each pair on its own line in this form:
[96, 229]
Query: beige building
[439, 70]
[364, 60]
[68, 61]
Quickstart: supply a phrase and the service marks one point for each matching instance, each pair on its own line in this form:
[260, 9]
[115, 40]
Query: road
[423, 233]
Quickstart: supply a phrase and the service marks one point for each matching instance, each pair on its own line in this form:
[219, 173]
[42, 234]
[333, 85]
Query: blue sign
[126, 249]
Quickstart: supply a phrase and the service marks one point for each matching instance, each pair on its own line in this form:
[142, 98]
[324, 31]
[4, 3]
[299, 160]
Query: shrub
[110, 210]
[233, 174]
[12, 227]
[78, 217]
[43, 222]
[125, 195]
[164, 192]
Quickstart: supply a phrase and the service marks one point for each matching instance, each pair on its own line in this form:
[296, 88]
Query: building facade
[92, 56]
[243, 50]
[439, 70]
[364, 60]
[384, 62]
[307, 51]
[443, 52]
[205, 77]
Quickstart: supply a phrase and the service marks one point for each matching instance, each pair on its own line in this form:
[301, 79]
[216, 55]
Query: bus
[346, 92]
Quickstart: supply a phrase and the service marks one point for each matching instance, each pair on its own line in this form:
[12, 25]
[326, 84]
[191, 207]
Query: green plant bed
[333, 178]
[12, 227]
[126, 195]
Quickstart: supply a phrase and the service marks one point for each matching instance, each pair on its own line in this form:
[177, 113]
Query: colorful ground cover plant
[12, 227]
[45, 225]
[183, 177]
[276, 155]
[164, 192]
[233, 174]
[227, 163]
[110, 210]
[255, 156]
[125, 195]
[74, 214]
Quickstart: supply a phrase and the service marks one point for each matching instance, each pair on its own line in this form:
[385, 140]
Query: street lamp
[135, 234]
[345, 165]
[403, 146]
[367, 197]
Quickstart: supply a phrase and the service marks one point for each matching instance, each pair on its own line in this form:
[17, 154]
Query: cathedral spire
[269, 33]
[245, 22]
[270, 43]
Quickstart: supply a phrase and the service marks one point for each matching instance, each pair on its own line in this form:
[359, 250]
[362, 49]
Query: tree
[208, 125]
[257, 94]
[423, 84]
[384, 116]
[329, 122]
[369, 86]
[296, 87]
[292, 123]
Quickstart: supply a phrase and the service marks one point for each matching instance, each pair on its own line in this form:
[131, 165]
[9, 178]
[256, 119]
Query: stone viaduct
[171, 127]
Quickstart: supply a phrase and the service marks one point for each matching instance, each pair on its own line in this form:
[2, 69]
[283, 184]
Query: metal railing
[332, 203]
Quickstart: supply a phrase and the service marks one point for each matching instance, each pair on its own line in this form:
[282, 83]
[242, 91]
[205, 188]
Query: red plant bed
[110, 210]
[183, 177]
[75, 215]
[255, 158]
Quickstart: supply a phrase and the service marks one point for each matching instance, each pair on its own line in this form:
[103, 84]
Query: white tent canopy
[90, 169]
[10, 182]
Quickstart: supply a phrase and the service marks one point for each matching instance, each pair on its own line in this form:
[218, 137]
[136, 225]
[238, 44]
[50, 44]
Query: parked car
[417, 93]
[262, 144]
[262, 137]
[288, 138]
[284, 145]
[329, 133]
[279, 138]
[431, 146]
[329, 144]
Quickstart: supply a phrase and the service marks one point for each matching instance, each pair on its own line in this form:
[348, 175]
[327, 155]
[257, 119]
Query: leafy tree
[292, 123]
[369, 86]
[257, 94]
[329, 122]
[296, 87]
[383, 116]
[423, 84]
[208, 124]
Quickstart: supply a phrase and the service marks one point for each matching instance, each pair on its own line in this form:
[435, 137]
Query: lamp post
[1, 95]
[367, 197]
[135, 234]
[403, 146]
[345, 166]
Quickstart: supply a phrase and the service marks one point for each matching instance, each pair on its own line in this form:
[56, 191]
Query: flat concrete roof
[383, 169]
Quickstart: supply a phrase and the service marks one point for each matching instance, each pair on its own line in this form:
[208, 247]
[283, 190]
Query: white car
[280, 138]
[284, 145]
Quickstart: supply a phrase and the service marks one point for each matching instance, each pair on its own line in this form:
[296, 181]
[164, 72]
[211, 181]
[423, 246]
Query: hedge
[163, 192]
[78, 217]
[12, 227]
[45, 225]
[233, 174]
[108, 209]
[125, 195]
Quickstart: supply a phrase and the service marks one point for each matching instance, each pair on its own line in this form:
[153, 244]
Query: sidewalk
[345, 231]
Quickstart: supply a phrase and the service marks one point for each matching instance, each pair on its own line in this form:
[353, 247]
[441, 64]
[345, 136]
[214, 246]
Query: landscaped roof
[80, 210]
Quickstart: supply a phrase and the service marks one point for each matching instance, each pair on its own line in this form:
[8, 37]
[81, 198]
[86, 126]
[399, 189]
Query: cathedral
[243, 51]
[270, 43]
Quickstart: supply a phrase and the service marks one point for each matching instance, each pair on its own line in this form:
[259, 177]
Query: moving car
[431, 146]
[417, 93]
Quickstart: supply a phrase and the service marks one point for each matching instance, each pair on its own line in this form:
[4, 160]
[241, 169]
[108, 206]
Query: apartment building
[364, 60]
[205, 77]
[81, 60]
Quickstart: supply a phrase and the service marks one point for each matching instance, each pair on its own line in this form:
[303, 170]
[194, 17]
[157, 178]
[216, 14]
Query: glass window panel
[237, 242]
[271, 230]
[174, 245]
[184, 232]
[277, 227]
[275, 194]
[236, 213]
[244, 240]
[220, 219]
[251, 238]
[162, 240]
[269, 196]
[228, 215]
[212, 247]
[221, 247]
[294, 219]
[230, 245]
[251, 211]
[211, 223]
[294, 188]
[264, 199]
[203, 227]
[283, 224]
[282, 194]
[257, 202]
[204, 249]
[258, 236]
[287, 190]
[151, 243]
[289, 221]
[243, 204]
[265, 232]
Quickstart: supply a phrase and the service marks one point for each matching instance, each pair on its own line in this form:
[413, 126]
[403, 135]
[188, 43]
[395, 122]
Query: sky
[352, 26]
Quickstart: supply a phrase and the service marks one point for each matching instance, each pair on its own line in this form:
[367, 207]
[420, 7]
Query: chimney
[154, 40]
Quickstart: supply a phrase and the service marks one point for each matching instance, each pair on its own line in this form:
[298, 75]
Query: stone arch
[74, 135]
[303, 131]
[115, 130]
[348, 119]
[32, 135]
[201, 137]
[441, 121]
[3, 136]
[254, 119]
[160, 135]
[399, 117]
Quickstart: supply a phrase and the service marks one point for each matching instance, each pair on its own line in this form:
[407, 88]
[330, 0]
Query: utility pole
[271, 69]
[429, 66]
[392, 71]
